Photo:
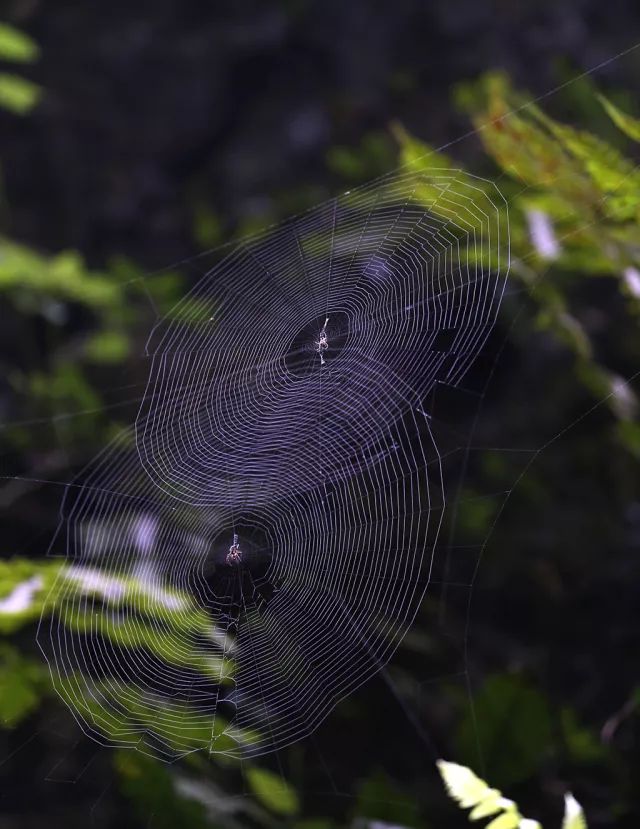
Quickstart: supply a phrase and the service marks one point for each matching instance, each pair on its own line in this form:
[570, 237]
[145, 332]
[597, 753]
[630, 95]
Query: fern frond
[507, 820]
[471, 792]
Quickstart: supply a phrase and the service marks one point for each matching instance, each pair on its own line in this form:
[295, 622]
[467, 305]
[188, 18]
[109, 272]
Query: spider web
[285, 418]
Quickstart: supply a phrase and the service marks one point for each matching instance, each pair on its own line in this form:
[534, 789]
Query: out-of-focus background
[136, 136]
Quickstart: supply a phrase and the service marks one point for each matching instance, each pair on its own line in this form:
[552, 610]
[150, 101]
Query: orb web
[255, 547]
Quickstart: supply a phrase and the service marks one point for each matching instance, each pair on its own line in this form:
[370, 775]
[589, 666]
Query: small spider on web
[234, 556]
[323, 343]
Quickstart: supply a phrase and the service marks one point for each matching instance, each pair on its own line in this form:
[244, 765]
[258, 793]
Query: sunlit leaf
[509, 820]
[491, 805]
[469, 790]
[463, 785]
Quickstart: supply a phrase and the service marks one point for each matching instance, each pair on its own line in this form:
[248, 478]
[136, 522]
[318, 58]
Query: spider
[234, 556]
[323, 343]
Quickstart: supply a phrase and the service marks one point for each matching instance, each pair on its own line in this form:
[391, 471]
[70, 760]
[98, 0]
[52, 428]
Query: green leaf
[16, 46]
[513, 726]
[24, 273]
[273, 791]
[374, 156]
[107, 347]
[380, 800]
[17, 94]
[582, 743]
[208, 230]
[151, 786]
[22, 683]
[628, 434]
[573, 814]
[126, 716]
[626, 123]
[614, 176]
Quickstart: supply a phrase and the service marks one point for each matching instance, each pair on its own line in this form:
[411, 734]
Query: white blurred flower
[632, 281]
[542, 234]
[21, 596]
[623, 400]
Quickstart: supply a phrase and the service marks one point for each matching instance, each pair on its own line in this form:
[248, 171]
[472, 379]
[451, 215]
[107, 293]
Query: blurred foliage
[16, 46]
[207, 227]
[511, 723]
[380, 800]
[630, 126]
[373, 157]
[573, 208]
[22, 682]
[272, 791]
[155, 725]
[150, 786]
[35, 280]
[31, 590]
[85, 318]
[17, 94]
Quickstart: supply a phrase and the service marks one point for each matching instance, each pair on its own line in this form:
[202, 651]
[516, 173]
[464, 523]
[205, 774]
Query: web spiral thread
[256, 547]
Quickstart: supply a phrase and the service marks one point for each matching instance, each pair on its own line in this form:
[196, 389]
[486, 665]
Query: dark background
[152, 108]
[168, 128]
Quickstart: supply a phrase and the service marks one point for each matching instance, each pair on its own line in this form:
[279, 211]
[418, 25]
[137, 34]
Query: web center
[318, 344]
[236, 571]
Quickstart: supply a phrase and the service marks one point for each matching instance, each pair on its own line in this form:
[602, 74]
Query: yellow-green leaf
[107, 347]
[463, 785]
[470, 791]
[22, 683]
[16, 46]
[273, 791]
[489, 806]
[626, 123]
[18, 94]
